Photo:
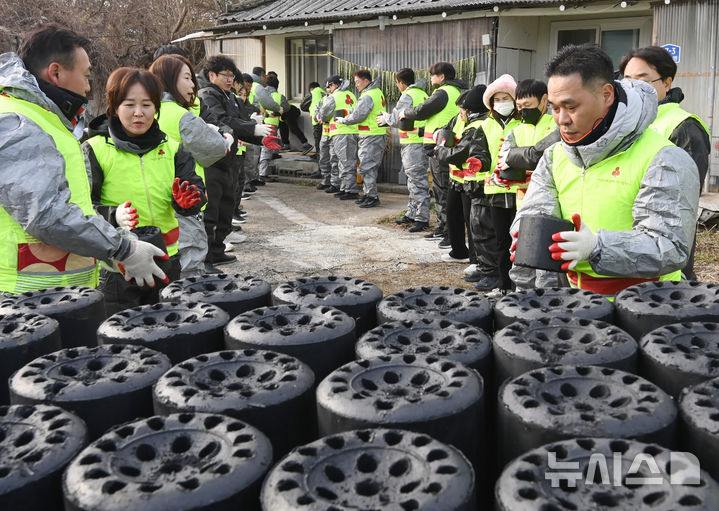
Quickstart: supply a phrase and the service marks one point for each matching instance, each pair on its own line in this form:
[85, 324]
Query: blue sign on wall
[674, 50]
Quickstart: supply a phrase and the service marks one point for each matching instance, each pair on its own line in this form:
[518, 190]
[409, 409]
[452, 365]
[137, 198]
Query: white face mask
[504, 109]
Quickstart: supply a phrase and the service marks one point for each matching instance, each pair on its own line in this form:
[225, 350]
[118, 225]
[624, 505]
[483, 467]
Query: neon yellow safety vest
[27, 264]
[604, 195]
[195, 109]
[671, 115]
[144, 180]
[458, 174]
[270, 116]
[346, 101]
[418, 96]
[169, 121]
[495, 133]
[316, 98]
[369, 126]
[445, 115]
[528, 135]
[253, 93]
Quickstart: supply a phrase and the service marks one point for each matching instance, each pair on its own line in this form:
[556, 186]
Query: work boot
[404, 220]
[339, 194]
[211, 270]
[370, 203]
[322, 187]
[306, 147]
[361, 199]
[332, 189]
[419, 227]
[349, 196]
[487, 283]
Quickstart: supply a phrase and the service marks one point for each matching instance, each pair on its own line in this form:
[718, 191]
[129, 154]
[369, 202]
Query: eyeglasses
[227, 76]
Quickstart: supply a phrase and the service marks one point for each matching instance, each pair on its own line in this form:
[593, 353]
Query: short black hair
[238, 76]
[272, 81]
[531, 89]
[405, 75]
[443, 68]
[272, 73]
[247, 78]
[591, 62]
[655, 56]
[169, 49]
[365, 74]
[313, 85]
[51, 43]
[218, 63]
[257, 70]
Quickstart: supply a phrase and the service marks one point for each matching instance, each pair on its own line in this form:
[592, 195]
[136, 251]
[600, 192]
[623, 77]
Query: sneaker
[249, 187]
[235, 237]
[497, 293]
[362, 199]
[339, 194]
[248, 191]
[275, 156]
[474, 276]
[449, 259]
[445, 243]
[229, 247]
[470, 269]
[322, 186]
[419, 227]
[306, 147]
[434, 235]
[260, 181]
[332, 189]
[236, 228]
[246, 196]
[370, 203]
[285, 148]
[211, 270]
[487, 283]
[315, 175]
[219, 260]
[349, 196]
[237, 221]
[404, 220]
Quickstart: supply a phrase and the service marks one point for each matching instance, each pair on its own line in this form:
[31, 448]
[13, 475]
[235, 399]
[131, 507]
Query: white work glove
[229, 140]
[573, 246]
[263, 130]
[383, 119]
[257, 118]
[140, 264]
[126, 216]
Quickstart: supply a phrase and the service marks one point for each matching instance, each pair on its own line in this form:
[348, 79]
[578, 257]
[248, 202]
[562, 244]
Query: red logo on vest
[616, 172]
[348, 100]
[160, 152]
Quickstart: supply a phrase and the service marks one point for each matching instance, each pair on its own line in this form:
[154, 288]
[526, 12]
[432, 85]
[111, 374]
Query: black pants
[220, 185]
[502, 219]
[288, 122]
[459, 204]
[317, 134]
[119, 295]
[483, 237]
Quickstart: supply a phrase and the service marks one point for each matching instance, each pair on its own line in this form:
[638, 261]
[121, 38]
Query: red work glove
[272, 142]
[185, 194]
[474, 164]
[513, 247]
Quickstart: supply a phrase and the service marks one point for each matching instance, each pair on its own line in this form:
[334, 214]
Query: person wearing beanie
[503, 117]
[463, 147]
[343, 138]
[414, 157]
[437, 111]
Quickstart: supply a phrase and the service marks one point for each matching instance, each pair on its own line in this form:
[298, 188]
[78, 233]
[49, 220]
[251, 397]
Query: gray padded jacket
[665, 208]
[33, 187]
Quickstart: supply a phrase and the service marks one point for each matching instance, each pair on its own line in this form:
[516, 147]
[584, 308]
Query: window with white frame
[307, 62]
[615, 35]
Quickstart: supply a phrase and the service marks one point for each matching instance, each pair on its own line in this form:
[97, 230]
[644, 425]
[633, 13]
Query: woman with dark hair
[179, 119]
[140, 176]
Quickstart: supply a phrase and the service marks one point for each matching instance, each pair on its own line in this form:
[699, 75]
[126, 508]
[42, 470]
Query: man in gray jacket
[372, 137]
[326, 159]
[263, 102]
[631, 194]
[414, 157]
[49, 233]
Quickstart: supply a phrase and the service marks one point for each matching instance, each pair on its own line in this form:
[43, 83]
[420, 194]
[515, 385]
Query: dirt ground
[295, 231]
